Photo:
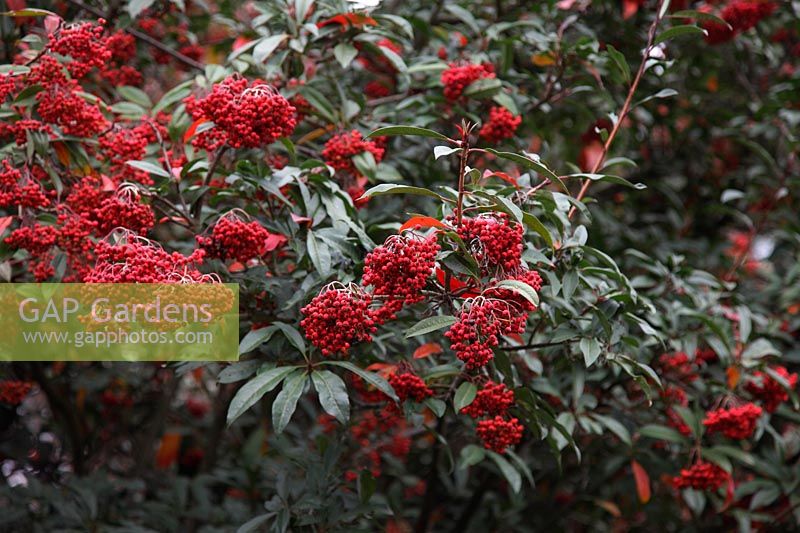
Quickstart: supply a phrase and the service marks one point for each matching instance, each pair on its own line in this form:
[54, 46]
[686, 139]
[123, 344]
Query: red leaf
[5, 222]
[349, 19]
[729, 488]
[236, 266]
[630, 8]
[168, 450]
[642, 481]
[193, 128]
[108, 185]
[422, 222]
[275, 240]
[502, 175]
[426, 350]
[455, 284]
[300, 220]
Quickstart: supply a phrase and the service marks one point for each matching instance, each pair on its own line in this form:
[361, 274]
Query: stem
[197, 208]
[462, 166]
[651, 35]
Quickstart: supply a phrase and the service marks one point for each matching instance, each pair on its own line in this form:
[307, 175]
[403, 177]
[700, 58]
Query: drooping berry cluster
[118, 71]
[481, 322]
[234, 238]
[340, 150]
[499, 433]
[12, 392]
[122, 144]
[502, 124]
[398, 271]
[409, 386]
[494, 240]
[245, 115]
[458, 77]
[678, 366]
[768, 390]
[38, 240]
[84, 45]
[337, 318]
[735, 422]
[124, 210]
[128, 258]
[701, 476]
[673, 396]
[15, 192]
[492, 399]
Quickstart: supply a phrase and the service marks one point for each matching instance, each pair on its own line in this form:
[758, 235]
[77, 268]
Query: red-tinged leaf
[62, 153]
[502, 175]
[516, 337]
[422, 222]
[733, 376]
[428, 349]
[236, 266]
[642, 481]
[455, 284]
[5, 222]
[275, 240]
[197, 374]
[349, 19]
[177, 220]
[240, 41]
[108, 184]
[300, 220]
[193, 128]
[565, 4]
[382, 369]
[611, 507]
[729, 488]
[168, 450]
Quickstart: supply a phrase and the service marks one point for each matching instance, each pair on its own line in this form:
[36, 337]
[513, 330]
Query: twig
[197, 208]
[651, 35]
[155, 43]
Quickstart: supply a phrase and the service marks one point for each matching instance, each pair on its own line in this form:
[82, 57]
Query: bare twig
[651, 35]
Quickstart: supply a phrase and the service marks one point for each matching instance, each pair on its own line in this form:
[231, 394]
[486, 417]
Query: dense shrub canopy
[503, 265]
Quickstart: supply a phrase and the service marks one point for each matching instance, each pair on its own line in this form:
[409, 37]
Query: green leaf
[344, 54]
[393, 188]
[320, 255]
[239, 370]
[483, 88]
[319, 102]
[432, 323]
[609, 179]
[253, 390]
[676, 31]
[149, 167]
[366, 485]
[255, 338]
[390, 131]
[465, 395]
[135, 95]
[699, 15]
[663, 93]
[511, 474]
[436, 405]
[615, 427]
[292, 335]
[174, 95]
[440, 151]
[135, 7]
[370, 377]
[621, 63]
[470, 455]
[285, 402]
[590, 349]
[266, 46]
[30, 12]
[465, 15]
[521, 288]
[536, 225]
[658, 432]
[332, 394]
[532, 164]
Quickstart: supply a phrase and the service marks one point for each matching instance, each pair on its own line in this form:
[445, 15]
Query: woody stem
[465, 128]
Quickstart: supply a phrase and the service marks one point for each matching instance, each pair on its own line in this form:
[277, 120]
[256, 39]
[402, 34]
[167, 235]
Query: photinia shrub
[502, 266]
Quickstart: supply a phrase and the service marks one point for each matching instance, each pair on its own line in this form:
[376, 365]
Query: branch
[651, 35]
[155, 43]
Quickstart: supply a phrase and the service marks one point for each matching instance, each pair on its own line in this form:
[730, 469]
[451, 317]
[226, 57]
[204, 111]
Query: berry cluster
[13, 192]
[233, 238]
[122, 144]
[735, 422]
[129, 258]
[38, 240]
[458, 77]
[409, 386]
[678, 366]
[502, 124]
[672, 396]
[701, 476]
[338, 317]
[12, 392]
[340, 149]
[481, 323]
[84, 45]
[492, 399]
[740, 14]
[494, 240]
[768, 390]
[398, 271]
[499, 433]
[244, 115]
[124, 210]
[123, 49]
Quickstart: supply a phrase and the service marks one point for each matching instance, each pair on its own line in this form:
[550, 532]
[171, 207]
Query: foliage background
[704, 257]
